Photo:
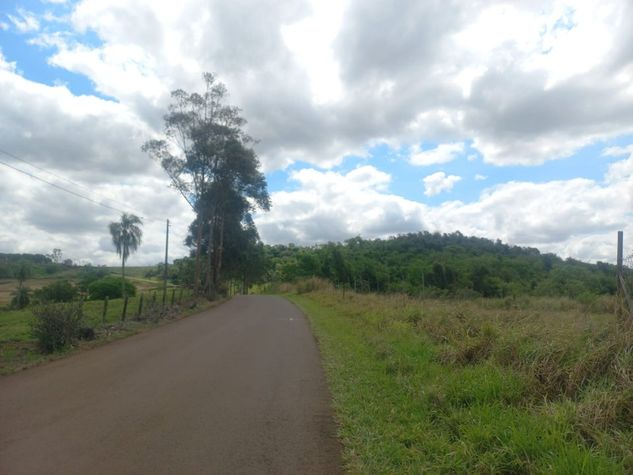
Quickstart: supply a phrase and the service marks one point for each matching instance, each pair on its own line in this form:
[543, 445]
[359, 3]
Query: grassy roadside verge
[475, 387]
[18, 350]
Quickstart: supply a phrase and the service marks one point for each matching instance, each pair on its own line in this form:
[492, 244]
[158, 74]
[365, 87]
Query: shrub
[56, 326]
[58, 291]
[21, 298]
[90, 274]
[86, 333]
[312, 284]
[110, 287]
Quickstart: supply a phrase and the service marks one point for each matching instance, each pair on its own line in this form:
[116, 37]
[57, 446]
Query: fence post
[105, 309]
[140, 306]
[180, 296]
[124, 309]
[173, 296]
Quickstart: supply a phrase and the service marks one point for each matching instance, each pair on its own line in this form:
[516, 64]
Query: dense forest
[440, 265]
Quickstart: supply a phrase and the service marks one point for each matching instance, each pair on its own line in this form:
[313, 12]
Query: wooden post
[124, 309]
[173, 296]
[105, 309]
[180, 296]
[140, 306]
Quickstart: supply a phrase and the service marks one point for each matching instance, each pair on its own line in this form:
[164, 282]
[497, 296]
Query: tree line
[434, 264]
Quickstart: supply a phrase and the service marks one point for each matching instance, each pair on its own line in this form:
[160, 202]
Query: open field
[19, 349]
[481, 386]
[134, 274]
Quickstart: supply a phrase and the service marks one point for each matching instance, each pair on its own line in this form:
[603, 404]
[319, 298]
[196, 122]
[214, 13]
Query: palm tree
[126, 236]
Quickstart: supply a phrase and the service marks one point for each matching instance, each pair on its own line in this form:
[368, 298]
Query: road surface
[238, 389]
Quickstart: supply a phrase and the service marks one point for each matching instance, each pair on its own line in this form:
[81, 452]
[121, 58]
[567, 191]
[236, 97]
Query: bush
[21, 298]
[56, 326]
[58, 291]
[110, 287]
[90, 274]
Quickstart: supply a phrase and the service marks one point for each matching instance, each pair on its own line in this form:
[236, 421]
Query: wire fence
[148, 305]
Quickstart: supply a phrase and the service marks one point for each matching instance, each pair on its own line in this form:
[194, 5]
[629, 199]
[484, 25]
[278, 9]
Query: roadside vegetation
[505, 385]
[68, 311]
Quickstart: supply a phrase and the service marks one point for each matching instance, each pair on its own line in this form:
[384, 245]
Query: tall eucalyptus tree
[210, 161]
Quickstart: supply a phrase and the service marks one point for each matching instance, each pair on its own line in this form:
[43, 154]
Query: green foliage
[39, 265]
[58, 291]
[529, 385]
[126, 235]
[21, 297]
[89, 274]
[56, 326]
[110, 287]
[440, 265]
[217, 171]
[22, 272]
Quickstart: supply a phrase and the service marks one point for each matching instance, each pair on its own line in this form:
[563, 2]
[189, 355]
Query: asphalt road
[237, 389]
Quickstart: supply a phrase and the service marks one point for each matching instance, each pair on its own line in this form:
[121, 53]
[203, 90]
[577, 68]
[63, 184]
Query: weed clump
[57, 326]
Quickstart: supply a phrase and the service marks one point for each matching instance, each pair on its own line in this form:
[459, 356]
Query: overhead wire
[61, 187]
[67, 190]
[68, 180]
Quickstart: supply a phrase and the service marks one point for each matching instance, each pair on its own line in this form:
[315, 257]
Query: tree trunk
[123, 277]
[210, 267]
[218, 259]
[196, 277]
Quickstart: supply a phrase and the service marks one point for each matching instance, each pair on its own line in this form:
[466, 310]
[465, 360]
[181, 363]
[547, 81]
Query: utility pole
[623, 291]
[165, 266]
[620, 252]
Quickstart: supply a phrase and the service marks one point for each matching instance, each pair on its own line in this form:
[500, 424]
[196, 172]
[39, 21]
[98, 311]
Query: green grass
[477, 386]
[136, 271]
[18, 349]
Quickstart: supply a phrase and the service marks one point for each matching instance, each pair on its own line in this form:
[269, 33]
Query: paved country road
[236, 389]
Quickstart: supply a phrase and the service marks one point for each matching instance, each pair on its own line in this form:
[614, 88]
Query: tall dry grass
[569, 362]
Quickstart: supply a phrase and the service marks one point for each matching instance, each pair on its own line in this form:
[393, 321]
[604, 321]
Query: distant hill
[436, 264]
[39, 265]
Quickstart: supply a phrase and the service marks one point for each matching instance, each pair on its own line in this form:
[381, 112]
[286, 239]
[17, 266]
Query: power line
[55, 185]
[79, 185]
[72, 192]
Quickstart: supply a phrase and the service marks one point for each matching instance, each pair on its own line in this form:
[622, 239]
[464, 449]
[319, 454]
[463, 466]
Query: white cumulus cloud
[443, 153]
[439, 182]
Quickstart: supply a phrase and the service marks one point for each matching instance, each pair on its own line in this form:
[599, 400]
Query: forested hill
[441, 264]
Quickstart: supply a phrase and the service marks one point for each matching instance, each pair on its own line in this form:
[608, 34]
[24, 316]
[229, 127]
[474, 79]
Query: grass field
[487, 386]
[18, 348]
[134, 274]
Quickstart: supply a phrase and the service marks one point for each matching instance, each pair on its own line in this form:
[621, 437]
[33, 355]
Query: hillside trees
[433, 264]
[210, 161]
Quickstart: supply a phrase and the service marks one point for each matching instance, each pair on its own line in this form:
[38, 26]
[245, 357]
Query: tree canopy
[434, 264]
[126, 237]
[210, 161]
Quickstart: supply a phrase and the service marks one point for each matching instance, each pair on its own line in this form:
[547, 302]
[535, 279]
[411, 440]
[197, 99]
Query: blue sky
[32, 58]
[456, 123]
[588, 162]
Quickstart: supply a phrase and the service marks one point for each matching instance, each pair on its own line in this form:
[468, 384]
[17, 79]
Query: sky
[508, 120]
